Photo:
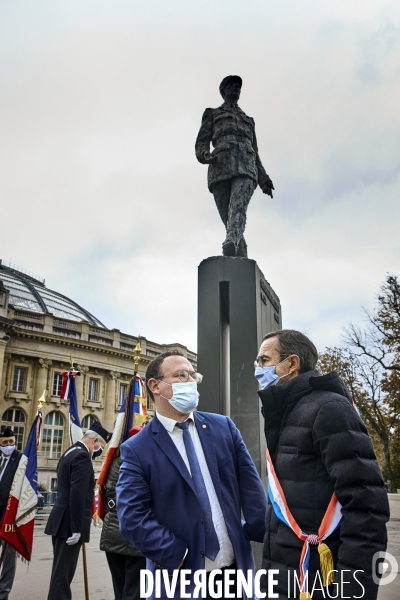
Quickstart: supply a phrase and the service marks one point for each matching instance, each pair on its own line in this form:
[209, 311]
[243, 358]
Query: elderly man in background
[320, 454]
[9, 460]
[71, 516]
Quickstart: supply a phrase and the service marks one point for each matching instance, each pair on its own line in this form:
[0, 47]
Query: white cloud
[101, 191]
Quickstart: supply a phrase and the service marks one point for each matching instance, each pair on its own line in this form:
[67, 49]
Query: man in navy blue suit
[184, 481]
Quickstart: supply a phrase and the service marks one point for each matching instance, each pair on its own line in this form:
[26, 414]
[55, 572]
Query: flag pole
[136, 369]
[136, 358]
[85, 574]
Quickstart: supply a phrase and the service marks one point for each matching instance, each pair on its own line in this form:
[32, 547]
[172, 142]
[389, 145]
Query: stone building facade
[39, 330]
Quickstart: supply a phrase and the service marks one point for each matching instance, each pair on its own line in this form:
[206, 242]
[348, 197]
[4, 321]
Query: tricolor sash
[331, 521]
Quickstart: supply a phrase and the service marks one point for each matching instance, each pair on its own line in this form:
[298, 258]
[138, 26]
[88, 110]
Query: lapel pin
[204, 426]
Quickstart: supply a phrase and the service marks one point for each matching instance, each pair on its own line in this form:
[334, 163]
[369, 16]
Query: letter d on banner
[146, 583]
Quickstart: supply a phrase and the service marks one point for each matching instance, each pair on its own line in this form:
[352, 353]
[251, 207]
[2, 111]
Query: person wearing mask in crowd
[124, 560]
[9, 461]
[323, 471]
[71, 516]
[184, 482]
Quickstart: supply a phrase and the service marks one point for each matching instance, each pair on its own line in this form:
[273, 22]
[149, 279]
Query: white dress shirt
[225, 556]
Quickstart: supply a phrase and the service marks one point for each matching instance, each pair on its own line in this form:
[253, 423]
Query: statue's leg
[242, 249]
[241, 193]
[222, 196]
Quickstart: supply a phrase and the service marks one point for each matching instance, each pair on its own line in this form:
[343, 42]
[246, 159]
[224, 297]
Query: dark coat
[72, 511]
[233, 135]
[157, 504]
[7, 479]
[111, 539]
[319, 445]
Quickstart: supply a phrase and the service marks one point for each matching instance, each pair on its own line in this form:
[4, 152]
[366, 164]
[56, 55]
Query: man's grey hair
[93, 434]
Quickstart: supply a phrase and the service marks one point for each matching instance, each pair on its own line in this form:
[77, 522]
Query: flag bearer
[9, 461]
[70, 518]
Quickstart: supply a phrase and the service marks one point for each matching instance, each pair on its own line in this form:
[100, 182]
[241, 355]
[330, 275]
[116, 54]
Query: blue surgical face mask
[185, 396]
[267, 376]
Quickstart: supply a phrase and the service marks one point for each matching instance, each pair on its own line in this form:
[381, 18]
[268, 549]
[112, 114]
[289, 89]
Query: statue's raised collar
[230, 106]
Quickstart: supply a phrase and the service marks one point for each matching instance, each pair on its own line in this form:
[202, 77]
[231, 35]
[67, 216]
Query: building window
[18, 379]
[87, 422]
[53, 431]
[15, 418]
[54, 484]
[123, 388]
[93, 389]
[57, 383]
[149, 402]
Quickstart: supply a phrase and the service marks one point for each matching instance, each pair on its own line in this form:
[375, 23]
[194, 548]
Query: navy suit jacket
[157, 506]
[72, 510]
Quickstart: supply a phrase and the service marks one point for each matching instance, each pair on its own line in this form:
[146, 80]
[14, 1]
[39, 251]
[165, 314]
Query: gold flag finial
[137, 356]
[42, 400]
[71, 361]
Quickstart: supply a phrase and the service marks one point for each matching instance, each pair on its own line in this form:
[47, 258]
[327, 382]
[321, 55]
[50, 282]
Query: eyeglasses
[184, 376]
[261, 360]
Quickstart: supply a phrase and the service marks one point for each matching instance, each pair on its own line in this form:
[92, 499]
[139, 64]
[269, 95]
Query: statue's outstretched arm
[264, 181]
[204, 138]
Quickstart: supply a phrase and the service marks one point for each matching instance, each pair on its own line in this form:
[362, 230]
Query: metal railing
[49, 498]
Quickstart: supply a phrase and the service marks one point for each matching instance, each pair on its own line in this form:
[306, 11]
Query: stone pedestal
[236, 308]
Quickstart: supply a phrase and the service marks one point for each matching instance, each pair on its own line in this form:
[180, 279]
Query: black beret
[98, 428]
[7, 432]
[227, 80]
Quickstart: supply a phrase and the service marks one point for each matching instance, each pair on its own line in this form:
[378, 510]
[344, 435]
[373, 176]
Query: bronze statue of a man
[235, 168]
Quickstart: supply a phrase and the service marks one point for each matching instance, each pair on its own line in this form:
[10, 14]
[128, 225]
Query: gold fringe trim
[327, 565]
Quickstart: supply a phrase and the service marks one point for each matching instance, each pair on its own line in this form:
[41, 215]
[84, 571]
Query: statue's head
[230, 88]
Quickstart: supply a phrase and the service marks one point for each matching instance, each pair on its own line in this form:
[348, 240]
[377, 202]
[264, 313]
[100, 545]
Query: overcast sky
[102, 195]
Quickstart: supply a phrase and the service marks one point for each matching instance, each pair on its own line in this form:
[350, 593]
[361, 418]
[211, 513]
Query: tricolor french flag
[18, 523]
[129, 411]
[139, 400]
[68, 392]
[112, 449]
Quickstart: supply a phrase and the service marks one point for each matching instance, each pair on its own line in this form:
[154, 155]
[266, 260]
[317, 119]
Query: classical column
[3, 345]
[110, 400]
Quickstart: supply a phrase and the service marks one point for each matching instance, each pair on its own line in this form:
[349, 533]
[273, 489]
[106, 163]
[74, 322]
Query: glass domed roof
[29, 291]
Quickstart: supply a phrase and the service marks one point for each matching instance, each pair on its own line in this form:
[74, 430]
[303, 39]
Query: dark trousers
[65, 559]
[220, 577]
[125, 573]
[232, 197]
[7, 569]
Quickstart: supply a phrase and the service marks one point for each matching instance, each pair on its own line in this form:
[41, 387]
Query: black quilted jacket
[111, 539]
[319, 445]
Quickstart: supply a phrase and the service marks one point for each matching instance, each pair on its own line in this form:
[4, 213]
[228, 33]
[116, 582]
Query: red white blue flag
[129, 410]
[68, 392]
[140, 400]
[18, 523]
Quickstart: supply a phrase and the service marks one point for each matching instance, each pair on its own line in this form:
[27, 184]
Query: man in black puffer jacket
[318, 446]
[124, 560]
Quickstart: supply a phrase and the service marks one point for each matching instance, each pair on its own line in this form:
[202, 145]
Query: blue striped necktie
[212, 543]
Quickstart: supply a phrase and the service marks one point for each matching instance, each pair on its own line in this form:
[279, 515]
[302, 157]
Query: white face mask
[185, 396]
[7, 450]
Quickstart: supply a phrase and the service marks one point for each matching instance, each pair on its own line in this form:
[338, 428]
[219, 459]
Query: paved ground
[31, 583]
